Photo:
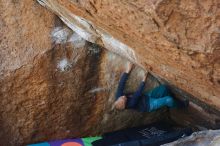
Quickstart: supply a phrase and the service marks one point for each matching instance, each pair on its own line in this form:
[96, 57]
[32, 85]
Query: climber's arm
[133, 100]
[123, 80]
[121, 85]
[138, 94]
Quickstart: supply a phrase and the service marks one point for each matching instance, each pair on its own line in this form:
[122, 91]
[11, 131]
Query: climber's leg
[159, 92]
[161, 97]
[156, 103]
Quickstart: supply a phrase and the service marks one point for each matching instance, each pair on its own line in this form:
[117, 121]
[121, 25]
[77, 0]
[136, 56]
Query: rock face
[54, 84]
[24, 33]
[176, 40]
[66, 92]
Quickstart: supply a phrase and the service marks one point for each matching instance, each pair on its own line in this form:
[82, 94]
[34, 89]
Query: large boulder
[176, 40]
[54, 84]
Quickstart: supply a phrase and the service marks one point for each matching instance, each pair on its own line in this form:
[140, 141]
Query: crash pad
[69, 142]
[152, 134]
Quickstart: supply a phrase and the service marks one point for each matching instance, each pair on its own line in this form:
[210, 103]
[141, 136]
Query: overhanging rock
[177, 40]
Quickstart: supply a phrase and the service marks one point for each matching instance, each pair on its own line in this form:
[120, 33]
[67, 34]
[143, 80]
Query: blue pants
[153, 100]
[160, 97]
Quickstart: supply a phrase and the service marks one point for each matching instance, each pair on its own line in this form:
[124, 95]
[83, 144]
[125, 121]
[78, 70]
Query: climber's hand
[121, 102]
[129, 67]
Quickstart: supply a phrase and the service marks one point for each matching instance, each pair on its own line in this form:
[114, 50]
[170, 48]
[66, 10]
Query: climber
[147, 102]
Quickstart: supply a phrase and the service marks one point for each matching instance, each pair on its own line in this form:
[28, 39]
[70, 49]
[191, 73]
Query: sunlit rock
[202, 138]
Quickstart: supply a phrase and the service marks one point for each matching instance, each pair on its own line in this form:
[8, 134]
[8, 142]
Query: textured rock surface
[177, 40]
[65, 93]
[24, 33]
[54, 84]
[203, 138]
